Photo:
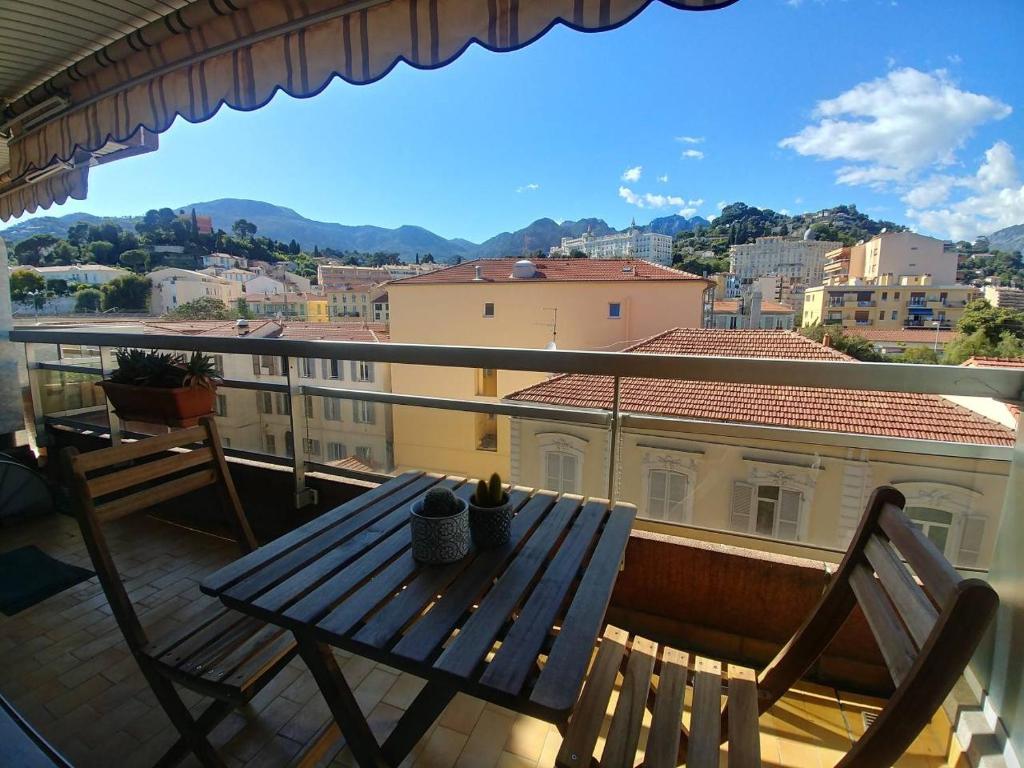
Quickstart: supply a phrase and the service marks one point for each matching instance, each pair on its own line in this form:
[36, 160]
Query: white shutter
[369, 372]
[971, 536]
[676, 497]
[739, 509]
[325, 367]
[552, 470]
[352, 368]
[256, 365]
[789, 515]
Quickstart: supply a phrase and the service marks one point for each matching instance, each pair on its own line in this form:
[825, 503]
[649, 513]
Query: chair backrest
[927, 627]
[111, 483]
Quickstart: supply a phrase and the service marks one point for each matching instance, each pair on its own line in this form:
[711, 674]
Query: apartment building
[799, 262]
[381, 308]
[1002, 296]
[563, 303]
[752, 311]
[86, 274]
[786, 489]
[332, 276]
[913, 302]
[892, 254]
[631, 244]
[290, 304]
[352, 298]
[224, 261]
[172, 287]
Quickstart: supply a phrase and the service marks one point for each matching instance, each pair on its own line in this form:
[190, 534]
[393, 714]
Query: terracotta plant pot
[175, 407]
[439, 540]
[490, 526]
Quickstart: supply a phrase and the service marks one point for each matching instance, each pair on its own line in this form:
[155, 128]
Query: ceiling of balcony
[38, 39]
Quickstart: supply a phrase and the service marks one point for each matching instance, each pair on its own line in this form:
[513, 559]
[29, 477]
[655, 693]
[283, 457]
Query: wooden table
[515, 625]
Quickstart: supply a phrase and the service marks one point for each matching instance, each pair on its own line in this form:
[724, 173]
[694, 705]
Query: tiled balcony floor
[67, 669]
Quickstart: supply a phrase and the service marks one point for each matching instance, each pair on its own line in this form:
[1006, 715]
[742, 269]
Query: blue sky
[912, 109]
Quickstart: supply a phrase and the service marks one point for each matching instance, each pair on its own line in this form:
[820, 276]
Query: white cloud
[784, 211]
[663, 179]
[721, 204]
[633, 174]
[649, 200]
[891, 129]
[531, 187]
[993, 198]
[688, 212]
[954, 58]
[693, 154]
[690, 139]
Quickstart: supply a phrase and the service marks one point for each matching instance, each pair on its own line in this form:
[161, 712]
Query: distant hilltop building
[631, 244]
[796, 260]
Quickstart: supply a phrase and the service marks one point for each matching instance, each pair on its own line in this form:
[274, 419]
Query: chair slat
[144, 473]
[87, 462]
[581, 738]
[663, 739]
[744, 737]
[624, 732]
[149, 497]
[706, 715]
[930, 565]
[910, 600]
[894, 642]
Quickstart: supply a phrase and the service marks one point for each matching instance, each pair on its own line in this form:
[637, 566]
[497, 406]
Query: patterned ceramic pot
[437, 540]
[490, 526]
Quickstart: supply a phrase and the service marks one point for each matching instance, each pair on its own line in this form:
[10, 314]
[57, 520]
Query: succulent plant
[163, 369]
[440, 502]
[489, 494]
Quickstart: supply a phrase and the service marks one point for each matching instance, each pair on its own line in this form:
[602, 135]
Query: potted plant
[440, 527]
[162, 388]
[490, 514]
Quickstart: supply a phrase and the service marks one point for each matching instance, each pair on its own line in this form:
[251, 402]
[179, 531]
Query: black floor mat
[28, 575]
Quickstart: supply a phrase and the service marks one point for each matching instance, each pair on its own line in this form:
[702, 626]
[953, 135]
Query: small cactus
[489, 494]
[440, 502]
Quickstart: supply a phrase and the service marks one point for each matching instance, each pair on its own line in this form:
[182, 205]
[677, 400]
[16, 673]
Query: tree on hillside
[88, 300]
[30, 251]
[25, 281]
[103, 252]
[243, 230]
[850, 344]
[992, 322]
[978, 344]
[62, 255]
[128, 293]
[78, 234]
[206, 308]
[137, 260]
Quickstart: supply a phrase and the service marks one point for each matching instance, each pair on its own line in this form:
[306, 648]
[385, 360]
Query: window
[269, 365]
[264, 402]
[364, 412]
[732, 322]
[336, 451]
[560, 471]
[269, 443]
[615, 310]
[226, 442]
[895, 315]
[487, 382]
[218, 363]
[311, 447]
[766, 510]
[486, 432]
[489, 309]
[307, 368]
[288, 446]
[364, 454]
[885, 295]
[896, 296]
[221, 405]
[309, 406]
[958, 537]
[666, 494]
[881, 315]
[362, 371]
[332, 409]
[333, 369]
[284, 404]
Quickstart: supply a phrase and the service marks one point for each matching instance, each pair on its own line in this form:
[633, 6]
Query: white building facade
[631, 244]
[797, 261]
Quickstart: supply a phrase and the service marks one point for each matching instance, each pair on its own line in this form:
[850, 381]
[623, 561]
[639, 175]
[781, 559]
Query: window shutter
[369, 372]
[256, 365]
[309, 407]
[325, 366]
[352, 369]
[970, 541]
[739, 512]
[789, 515]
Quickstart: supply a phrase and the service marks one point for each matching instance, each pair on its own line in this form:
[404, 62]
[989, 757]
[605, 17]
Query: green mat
[28, 575]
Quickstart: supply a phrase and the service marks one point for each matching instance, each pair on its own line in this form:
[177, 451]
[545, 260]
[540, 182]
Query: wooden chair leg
[207, 721]
[191, 732]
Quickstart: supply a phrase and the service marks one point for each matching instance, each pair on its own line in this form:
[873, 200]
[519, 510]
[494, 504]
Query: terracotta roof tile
[355, 330]
[994, 362]
[903, 335]
[732, 306]
[890, 414]
[563, 270]
[716, 342]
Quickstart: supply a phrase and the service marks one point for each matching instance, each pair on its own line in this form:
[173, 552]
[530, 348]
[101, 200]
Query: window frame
[615, 314]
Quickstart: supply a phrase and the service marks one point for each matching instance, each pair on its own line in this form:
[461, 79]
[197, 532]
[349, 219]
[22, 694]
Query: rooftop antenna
[553, 325]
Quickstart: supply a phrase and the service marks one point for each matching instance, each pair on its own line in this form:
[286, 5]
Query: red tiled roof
[994, 362]
[890, 414]
[355, 330]
[716, 342]
[732, 306]
[563, 270]
[903, 335]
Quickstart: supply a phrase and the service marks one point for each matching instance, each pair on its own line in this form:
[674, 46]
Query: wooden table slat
[427, 585]
[517, 657]
[369, 596]
[421, 640]
[218, 581]
[288, 564]
[481, 629]
[560, 681]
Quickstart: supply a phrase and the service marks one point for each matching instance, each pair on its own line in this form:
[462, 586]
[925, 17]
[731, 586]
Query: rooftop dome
[523, 269]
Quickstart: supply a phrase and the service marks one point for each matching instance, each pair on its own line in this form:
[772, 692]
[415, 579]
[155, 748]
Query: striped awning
[241, 52]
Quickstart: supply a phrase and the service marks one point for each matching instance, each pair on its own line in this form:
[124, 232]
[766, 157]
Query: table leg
[350, 719]
[421, 714]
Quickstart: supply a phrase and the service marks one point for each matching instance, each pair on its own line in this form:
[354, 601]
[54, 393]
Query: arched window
[561, 461]
[947, 514]
[666, 495]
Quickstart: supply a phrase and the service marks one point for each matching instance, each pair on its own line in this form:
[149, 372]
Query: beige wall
[171, 293]
[885, 299]
[907, 253]
[454, 314]
[834, 482]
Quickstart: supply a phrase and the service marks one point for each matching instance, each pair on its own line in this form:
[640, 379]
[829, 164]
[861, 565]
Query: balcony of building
[685, 583]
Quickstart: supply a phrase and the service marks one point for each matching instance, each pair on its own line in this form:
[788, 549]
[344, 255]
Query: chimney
[826, 340]
[478, 274]
[242, 327]
[754, 321]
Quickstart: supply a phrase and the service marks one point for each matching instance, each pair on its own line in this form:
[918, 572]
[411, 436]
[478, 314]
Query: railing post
[36, 394]
[296, 414]
[613, 453]
[112, 418]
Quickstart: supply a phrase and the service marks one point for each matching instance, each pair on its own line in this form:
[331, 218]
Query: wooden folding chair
[219, 653]
[926, 618]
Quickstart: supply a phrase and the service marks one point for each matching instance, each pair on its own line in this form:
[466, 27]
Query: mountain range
[285, 224]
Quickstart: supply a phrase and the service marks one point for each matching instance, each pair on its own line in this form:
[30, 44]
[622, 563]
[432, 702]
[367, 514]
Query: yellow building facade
[913, 302]
[571, 303]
